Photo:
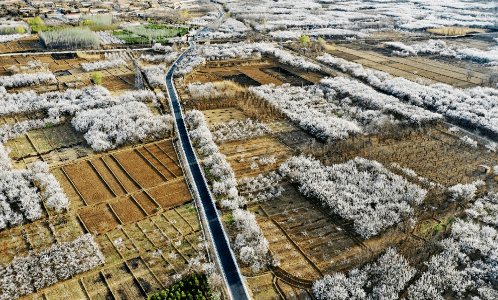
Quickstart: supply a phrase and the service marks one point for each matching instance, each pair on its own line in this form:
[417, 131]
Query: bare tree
[470, 74]
[493, 78]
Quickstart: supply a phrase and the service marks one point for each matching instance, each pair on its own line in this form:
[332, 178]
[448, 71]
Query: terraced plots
[127, 186]
[140, 258]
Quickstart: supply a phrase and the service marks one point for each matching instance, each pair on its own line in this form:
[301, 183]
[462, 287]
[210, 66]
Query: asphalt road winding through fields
[226, 258]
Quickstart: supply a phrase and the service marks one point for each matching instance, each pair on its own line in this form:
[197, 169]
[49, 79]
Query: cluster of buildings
[72, 9]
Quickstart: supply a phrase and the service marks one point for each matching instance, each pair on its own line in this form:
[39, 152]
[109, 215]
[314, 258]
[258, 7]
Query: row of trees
[103, 64]
[168, 58]
[485, 210]
[476, 108]
[12, 37]
[190, 61]
[467, 266]
[363, 95]
[299, 105]
[230, 29]
[360, 190]
[427, 47]
[70, 37]
[155, 75]
[440, 47]
[107, 128]
[27, 79]
[60, 262]
[54, 105]
[252, 246]
[383, 279]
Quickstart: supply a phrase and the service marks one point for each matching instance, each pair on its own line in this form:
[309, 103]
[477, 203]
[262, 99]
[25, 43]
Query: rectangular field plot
[153, 233]
[262, 287]
[98, 219]
[154, 159]
[39, 236]
[108, 176]
[180, 223]
[225, 115]
[12, 244]
[139, 168]
[438, 155]
[108, 249]
[122, 283]
[123, 243]
[145, 278]
[292, 260]
[242, 154]
[168, 156]
[96, 287]
[66, 227]
[138, 237]
[149, 205]
[127, 210]
[66, 290]
[119, 174]
[159, 266]
[93, 189]
[171, 194]
[189, 213]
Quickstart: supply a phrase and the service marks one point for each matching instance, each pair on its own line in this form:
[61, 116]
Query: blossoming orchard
[249, 149]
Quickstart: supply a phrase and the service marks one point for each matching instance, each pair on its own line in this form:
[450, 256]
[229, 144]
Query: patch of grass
[229, 219]
[97, 78]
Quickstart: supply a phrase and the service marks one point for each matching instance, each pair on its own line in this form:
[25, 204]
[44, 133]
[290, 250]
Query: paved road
[231, 272]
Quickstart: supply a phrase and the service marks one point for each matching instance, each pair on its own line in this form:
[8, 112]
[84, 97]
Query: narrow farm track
[225, 256]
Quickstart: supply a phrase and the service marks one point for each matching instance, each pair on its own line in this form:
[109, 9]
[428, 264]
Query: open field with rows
[253, 72]
[437, 155]
[424, 69]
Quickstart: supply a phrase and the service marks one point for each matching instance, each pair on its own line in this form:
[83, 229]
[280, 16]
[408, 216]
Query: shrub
[20, 30]
[195, 286]
[97, 78]
[35, 21]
